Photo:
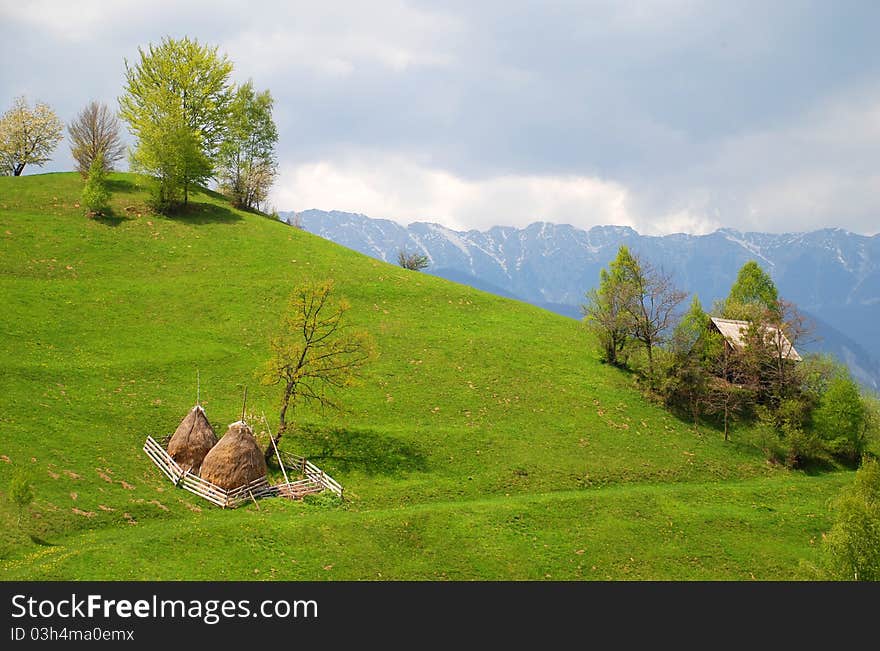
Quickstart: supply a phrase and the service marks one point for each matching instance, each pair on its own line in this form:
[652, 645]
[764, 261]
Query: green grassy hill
[487, 441]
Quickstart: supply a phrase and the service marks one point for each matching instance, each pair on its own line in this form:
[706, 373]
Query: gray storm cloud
[665, 116]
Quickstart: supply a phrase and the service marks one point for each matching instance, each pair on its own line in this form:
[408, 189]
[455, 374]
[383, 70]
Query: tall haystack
[192, 440]
[236, 460]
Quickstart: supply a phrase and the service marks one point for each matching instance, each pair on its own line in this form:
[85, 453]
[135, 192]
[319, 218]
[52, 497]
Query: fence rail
[315, 480]
[311, 471]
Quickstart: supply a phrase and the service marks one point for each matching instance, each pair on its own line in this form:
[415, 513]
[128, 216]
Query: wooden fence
[315, 480]
[311, 471]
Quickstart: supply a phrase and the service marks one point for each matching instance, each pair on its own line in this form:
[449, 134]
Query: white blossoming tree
[27, 136]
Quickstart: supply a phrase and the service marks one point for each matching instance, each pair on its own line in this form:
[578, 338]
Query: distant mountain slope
[833, 274]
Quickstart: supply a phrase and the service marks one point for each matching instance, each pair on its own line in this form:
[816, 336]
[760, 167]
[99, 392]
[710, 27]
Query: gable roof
[733, 331]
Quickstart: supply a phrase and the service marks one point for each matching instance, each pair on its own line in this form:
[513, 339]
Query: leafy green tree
[815, 374]
[852, 546]
[768, 358]
[412, 261]
[689, 335]
[175, 102]
[694, 347]
[96, 194]
[605, 312]
[753, 292]
[21, 492]
[842, 418]
[95, 132]
[246, 162]
[27, 136]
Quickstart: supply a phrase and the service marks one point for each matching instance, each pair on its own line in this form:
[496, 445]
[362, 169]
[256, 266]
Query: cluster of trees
[808, 410]
[29, 136]
[191, 125]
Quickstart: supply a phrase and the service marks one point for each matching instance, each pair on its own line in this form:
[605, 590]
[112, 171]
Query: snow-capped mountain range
[832, 274]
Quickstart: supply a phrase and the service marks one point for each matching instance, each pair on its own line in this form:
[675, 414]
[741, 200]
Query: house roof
[734, 331]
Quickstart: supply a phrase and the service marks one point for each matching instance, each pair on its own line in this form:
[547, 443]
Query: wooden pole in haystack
[244, 404]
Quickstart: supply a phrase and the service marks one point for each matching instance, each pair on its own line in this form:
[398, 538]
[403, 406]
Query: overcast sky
[664, 115]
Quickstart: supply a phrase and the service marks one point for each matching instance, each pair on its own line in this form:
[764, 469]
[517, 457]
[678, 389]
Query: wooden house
[734, 333]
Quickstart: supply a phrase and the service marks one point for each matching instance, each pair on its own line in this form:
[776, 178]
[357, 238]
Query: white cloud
[67, 20]
[666, 115]
[817, 171]
[394, 187]
[334, 39]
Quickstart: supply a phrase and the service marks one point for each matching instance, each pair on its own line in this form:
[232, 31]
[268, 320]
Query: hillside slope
[487, 441]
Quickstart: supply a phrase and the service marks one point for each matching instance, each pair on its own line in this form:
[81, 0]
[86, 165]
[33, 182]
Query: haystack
[236, 460]
[192, 440]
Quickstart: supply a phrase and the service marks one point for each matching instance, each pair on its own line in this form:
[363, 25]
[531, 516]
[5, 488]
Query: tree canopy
[246, 158]
[94, 133]
[412, 261]
[851, 545]
[842, 417]
[28, 136]
[605, 310]
[176, 104]
[315, 353]
[753, 292]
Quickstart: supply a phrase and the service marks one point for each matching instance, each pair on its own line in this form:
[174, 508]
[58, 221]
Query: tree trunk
[270, 449]
[282, 426]
[725, 423]
[18, 169]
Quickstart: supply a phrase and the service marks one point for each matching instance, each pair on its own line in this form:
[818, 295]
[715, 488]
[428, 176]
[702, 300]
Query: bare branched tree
[95, 132]
[315, 354]
[798, 329]
[651, 304]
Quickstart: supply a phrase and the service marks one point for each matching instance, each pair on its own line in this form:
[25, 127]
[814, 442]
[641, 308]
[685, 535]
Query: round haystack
[192, 440]
[236, 460]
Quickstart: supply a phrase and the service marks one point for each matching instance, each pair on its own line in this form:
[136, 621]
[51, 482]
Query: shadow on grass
[816, 467]
[204, 213]
[359, 450]
[124, 186]
[40, 541]
[110, 218]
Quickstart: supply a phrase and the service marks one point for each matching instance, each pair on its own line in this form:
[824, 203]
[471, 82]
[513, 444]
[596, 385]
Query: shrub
[323, 500]
[843, 419]
[21, 493]
[851, 545]
[95, 194]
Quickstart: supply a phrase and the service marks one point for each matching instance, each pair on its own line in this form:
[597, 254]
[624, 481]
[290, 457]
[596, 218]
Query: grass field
[486, 442]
